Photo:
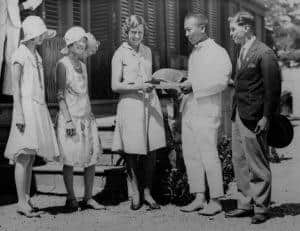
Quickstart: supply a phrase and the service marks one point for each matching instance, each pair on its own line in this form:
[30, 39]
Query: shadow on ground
[114, 192]
[288, 209]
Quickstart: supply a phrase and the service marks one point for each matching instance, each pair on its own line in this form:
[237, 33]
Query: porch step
[49, 179]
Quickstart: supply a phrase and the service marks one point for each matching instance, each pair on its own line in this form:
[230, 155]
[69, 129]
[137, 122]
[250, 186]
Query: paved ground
[285, 212]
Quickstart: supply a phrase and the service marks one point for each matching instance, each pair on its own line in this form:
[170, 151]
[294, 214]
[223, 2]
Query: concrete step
[49, 179]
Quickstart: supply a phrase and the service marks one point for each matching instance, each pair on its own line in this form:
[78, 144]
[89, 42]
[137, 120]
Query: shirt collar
[248, 44]
[127, 46]
[202, 43]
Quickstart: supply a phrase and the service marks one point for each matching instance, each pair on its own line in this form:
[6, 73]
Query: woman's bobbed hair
[132, 22]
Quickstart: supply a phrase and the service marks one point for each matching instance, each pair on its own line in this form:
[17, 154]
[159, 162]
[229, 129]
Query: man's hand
[147, 87]
[186, 87]
[262, 125]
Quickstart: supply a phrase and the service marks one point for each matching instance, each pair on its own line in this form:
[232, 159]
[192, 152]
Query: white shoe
[211, 209]
[196, 205]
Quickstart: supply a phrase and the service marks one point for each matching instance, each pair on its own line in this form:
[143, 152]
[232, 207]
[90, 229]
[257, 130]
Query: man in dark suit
[257, 84]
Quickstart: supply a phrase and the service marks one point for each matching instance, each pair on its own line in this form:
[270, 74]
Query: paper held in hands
[164, 84]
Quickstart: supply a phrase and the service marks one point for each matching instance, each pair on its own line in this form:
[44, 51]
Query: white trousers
[9, 41]
[199, 146]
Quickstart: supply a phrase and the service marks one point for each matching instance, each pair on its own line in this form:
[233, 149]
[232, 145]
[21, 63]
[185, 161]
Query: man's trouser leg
[257, 179]
[192, 159]
[207, 137]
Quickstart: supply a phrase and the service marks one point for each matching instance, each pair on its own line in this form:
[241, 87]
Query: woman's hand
[186, 87]
[20, 123]
[70, 128]
[21, 127]
[147, 87]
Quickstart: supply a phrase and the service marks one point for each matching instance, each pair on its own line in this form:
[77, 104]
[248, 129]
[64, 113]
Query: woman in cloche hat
[76, 128]
[32, 131]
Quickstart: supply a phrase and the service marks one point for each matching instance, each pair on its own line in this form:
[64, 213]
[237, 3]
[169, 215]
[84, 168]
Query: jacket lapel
[251, 52]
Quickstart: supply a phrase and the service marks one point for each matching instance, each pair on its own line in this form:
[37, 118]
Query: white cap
[72, 35]
[34, 26]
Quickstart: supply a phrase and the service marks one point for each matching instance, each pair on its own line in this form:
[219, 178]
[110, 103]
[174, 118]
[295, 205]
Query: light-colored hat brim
[48, 35]
[64, 51]
[92, 45]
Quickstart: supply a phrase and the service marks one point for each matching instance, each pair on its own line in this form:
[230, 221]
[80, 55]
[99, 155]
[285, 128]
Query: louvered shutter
[124, 13]
[153, 34]
[172, 28]
[51, 14]
[76, 12]
[102, 27]
[198, 6]
[213, 13]
[139, 8]
[50, 49]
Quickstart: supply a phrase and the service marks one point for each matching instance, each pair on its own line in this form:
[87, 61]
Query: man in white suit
[209, 70]
[10, 24]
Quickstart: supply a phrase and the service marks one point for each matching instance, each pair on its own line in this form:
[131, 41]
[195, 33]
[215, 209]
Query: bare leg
[89, 175]
[149, 167]
[68, 179]
[22, 168]
[29, 178]
[131, 165]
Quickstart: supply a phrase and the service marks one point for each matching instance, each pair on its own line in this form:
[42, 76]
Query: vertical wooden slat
[172, 29]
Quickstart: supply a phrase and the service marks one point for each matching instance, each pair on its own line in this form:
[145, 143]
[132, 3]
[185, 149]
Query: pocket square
[251, 65]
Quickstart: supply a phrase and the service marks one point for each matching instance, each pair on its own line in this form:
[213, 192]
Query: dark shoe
[259, 218]
[72, 205]
[135, 206]
[239, 213]
[28, 213]
[152, 206]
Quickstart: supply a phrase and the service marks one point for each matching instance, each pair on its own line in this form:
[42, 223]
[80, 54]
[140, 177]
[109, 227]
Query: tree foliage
[283, 18]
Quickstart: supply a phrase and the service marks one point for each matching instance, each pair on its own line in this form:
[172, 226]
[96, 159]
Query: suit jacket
[257, 85]
[11, 8]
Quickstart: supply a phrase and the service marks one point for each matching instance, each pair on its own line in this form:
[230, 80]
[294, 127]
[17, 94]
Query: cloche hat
[34, 26]
[74, 34]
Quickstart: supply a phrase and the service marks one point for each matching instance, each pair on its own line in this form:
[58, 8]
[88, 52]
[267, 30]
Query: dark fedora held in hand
[281, 131]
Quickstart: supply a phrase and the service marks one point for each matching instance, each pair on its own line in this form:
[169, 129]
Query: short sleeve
[117, 60]
[18, 56]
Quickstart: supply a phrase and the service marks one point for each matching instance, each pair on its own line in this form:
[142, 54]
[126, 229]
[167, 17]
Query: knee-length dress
[83, 149]
[139, 121]
[39, 135]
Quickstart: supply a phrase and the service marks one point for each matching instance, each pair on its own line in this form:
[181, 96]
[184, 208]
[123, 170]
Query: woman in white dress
[139, 125]
[32, 132]
[76, 127]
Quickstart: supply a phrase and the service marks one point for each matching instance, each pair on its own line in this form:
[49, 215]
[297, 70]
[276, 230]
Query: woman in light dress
[139, 125]
[32, 131]
[76, 128]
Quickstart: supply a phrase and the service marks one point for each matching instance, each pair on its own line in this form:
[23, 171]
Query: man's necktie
[241, 58]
